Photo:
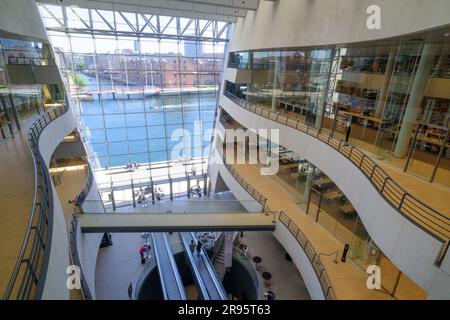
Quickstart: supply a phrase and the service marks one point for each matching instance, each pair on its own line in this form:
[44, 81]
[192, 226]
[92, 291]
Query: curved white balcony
[411, 235]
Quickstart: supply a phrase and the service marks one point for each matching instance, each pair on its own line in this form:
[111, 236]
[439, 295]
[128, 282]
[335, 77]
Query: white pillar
[386, 81]
[415, 98]
[276, 71]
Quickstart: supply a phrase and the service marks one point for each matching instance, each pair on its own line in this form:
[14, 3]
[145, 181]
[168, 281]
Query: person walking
[199, 247]
[192, 245]
[348, 125]
[142, 252]
[130, 291]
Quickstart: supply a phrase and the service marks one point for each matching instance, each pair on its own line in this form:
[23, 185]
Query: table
[323, 181]
[332, 195]
[266, 275]
[297, 174]
[269, 295]
[257, 260]
[347, 209]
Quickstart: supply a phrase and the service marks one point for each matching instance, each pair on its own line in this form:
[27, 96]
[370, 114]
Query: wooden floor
[16, 196]
[435, 194]
[348, 280]
[71, 183]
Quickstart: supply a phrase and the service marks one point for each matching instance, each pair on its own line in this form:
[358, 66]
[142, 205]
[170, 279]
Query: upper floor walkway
[172, 222]
[423, 203]
[16, 195]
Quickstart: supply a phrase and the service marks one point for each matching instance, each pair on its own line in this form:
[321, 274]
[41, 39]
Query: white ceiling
[224, 10]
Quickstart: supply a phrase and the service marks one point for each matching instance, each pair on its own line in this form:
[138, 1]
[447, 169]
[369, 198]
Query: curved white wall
[301, 23]
[247, 201]
[89, 243]
[300, 259]
[410, 248]
[55, 282]
[21, 17]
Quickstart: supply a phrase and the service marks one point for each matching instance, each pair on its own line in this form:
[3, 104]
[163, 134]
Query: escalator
[171, 283]
[209, 285]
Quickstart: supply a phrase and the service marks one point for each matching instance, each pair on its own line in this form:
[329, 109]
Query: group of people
[197, 247]
[143, 250]
[133, 165]
[196, 191]
[141, 198]
[159, 194]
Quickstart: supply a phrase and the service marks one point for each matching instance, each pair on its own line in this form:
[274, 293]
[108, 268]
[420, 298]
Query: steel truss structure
[94, 22]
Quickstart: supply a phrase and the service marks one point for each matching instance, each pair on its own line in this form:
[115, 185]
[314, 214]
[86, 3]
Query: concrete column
[132, 194]
[250, 60]
[188, 182]
[113, 201]
[415, 98]
[276, 71]
[386, 81]
[441, 63]
[171, 188]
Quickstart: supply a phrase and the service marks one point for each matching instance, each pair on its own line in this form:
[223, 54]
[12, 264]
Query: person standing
[192, 245]
[348, 125]
[130, 291]
[199, 247]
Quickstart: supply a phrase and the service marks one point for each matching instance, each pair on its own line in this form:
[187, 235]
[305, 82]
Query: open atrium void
[224, 150]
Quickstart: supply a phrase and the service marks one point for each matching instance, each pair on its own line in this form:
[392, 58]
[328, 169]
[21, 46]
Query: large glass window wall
[131, 94]
[389, 98]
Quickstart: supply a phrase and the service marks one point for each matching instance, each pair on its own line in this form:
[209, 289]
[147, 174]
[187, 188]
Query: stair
[219, 262]
[224, 257]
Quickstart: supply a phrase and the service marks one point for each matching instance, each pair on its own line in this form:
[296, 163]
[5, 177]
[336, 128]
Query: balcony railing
[296, 232]
[312, 255]
[252, 191]
[85, 291]
[428, 219]
[26, 57]
[29, 273]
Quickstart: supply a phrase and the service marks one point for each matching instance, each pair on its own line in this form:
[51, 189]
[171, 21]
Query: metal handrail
[207, 262]
[252, 191]
[85, 291]
[34, 255]
[428, 219]
[312, 255]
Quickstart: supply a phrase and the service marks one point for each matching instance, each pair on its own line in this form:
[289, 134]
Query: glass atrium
[142, 86]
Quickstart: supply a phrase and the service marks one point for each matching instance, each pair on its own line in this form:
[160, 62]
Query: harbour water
[122, 129]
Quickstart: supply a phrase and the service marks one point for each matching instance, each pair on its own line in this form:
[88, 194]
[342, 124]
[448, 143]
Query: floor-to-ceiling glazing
[144, 89]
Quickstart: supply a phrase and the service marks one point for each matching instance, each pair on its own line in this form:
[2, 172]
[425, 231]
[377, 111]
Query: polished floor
[119, 264]
[349, 281]
[16, 195]
[413, 181]
[286, 282]
[72, 181]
